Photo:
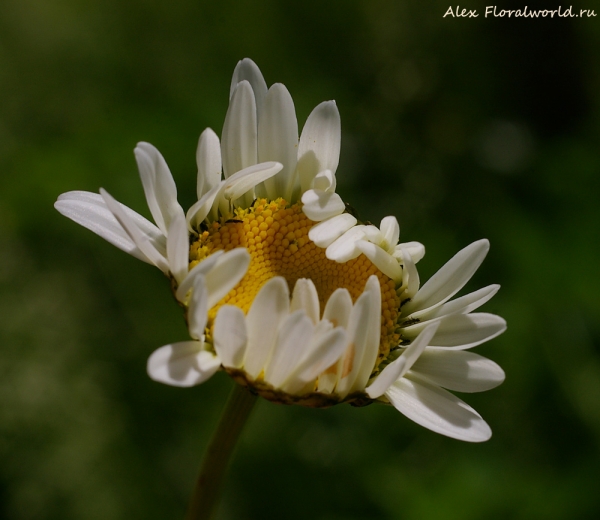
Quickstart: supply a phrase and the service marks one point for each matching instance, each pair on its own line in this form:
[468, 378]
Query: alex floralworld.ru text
[492, 11]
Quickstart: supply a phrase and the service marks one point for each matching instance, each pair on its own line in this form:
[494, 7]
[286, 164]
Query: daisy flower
[288, 292]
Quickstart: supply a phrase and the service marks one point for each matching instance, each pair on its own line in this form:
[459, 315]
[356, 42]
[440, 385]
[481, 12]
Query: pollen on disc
[276, 236]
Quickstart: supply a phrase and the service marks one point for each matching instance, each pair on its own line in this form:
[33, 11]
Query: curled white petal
[324, 233]
[344, 248]
[182, 364]
[373, 234]
[410, 276]
[320, 205]
[385, 262]
[324, 181]
[416, 250]
[390, 229]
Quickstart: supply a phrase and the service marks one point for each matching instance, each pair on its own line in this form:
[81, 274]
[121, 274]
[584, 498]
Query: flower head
[284, 289]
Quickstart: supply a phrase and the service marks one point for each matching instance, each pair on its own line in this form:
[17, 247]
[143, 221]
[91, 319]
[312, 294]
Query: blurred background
[463, 128]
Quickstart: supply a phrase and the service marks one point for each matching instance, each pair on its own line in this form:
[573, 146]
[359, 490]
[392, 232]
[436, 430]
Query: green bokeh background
[461, 127]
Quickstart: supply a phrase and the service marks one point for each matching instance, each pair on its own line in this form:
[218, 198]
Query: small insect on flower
[284, 289]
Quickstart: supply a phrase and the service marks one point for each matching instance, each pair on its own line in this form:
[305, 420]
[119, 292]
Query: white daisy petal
[385, 262]
[247, 70]
[229, 269]
[102, 222]
[403, 364]
[200, 210]
[390, 230]
[305, 297]
[178, 248]
[437, 410]
[458, 370]
[462, 331]
[337, 311]
[324, 181]
[89, 210]
[182, 364]
[294, 331]
[159, 186]
[322, 352]
[358, 333]
[198, 308]
[416, 250]
[410, 277]
[222, 272]
[208, 159]
[270, 306]
[248, 178]
[221, 205]
[230, 336]
[373, 234]
[320, 205]
[324, 233]
[278, 140]
[462, 305]
[328, 379]
[200, 269]
[239, 137]
[319, 147]
[338, 308]
[344, 248]
[372, 288]
[135, 234]
[451, 277]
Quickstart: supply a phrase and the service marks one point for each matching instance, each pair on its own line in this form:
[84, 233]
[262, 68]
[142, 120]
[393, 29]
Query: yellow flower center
[276, 236]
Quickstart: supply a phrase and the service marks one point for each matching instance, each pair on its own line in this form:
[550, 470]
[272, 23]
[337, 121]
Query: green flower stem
[216, 459]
